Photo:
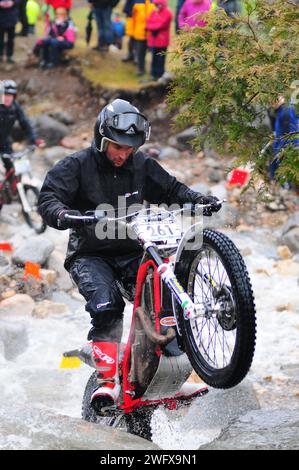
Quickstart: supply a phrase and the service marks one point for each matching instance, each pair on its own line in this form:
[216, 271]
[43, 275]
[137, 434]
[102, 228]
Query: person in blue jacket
[286, 122]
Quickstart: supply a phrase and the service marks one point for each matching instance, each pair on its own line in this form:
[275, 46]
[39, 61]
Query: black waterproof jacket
[87, 179]
[8, 116]
[9, 16]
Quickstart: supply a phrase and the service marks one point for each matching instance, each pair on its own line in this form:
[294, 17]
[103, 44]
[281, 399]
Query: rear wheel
[33, 218]
[220, 341]
[138, 422]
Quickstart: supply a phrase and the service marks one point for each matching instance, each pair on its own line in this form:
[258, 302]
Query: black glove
[214, 202]
[64, 223]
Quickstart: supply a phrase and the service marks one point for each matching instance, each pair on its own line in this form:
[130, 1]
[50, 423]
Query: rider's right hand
[63, 222]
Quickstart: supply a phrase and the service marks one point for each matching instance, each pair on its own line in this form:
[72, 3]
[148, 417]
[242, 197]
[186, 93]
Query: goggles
[130, 123]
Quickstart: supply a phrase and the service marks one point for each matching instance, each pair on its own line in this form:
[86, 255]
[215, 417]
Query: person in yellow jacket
[140, 12]
[32, 12]
[128, 10]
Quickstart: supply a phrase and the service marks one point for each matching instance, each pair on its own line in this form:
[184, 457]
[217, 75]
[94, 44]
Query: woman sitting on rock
[60, 35]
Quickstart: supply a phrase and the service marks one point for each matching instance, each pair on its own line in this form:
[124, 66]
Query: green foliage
[231, 72]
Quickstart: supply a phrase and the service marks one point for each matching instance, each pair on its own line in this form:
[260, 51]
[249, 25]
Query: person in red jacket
[158, 36]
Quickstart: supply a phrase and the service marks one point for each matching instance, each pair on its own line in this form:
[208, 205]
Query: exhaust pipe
[150, 331]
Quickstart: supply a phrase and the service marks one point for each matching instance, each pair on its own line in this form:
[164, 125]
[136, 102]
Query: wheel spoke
[214, 343]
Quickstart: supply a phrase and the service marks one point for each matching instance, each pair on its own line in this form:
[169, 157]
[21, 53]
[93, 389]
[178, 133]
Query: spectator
[119, 27]
[33, 12]
[60, 35]
[128, 10]
[158, 37]
[230, 6]
[22, 14]
[51, 5]
[141, 11]
[179, 5]
[8, 21]
[102, 11]
[286, 121]
[191, 13]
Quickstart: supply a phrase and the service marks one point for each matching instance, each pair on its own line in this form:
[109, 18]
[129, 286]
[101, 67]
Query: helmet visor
[129, 123]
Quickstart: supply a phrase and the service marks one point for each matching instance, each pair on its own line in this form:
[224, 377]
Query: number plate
[22, 166]
[166, 233]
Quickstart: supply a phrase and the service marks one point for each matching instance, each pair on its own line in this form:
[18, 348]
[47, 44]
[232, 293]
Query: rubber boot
[105, 355]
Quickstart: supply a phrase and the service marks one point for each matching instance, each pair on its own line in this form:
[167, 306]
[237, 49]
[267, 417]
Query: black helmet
[9, 87]
[121, 122]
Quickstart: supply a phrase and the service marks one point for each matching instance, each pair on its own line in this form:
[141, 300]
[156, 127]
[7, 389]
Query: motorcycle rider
[10, 112]
[110, 168]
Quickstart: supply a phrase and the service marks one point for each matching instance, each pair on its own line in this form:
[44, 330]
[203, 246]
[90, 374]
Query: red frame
[13, 183]
[129, 403]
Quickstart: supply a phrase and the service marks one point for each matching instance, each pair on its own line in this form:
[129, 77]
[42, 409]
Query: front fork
[170, 279]
[23, 198]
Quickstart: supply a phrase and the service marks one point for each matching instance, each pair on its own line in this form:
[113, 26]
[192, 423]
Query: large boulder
[290, 233]
[20, 305]
[14, 338]
[49, 129]
[36, 250]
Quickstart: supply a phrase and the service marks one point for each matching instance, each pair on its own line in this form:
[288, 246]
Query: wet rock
[49, 276]
[201, 188]
[49, 129]
[20, 305]
[55, 262]
[260, 430]
[290, 233]
[284, 252]
[54, 154]
[291, 239]
[5, 266]
[184, 138]
[169, 153]
[14, 338]
[36, 250]
[33, 429]
[63, 116]
[46, 307]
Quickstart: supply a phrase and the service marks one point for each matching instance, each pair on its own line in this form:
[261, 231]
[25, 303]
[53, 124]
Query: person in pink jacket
[60, 35]
[158, 36]
[191, 13]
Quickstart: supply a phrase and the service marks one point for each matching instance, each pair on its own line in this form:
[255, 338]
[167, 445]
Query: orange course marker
[6, 247]
[238, 176]
[32, 269]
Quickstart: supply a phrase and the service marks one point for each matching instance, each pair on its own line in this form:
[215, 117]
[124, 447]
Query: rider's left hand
[213, 201]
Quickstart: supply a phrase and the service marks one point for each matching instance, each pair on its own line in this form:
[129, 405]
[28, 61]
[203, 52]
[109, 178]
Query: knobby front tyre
[220, 342]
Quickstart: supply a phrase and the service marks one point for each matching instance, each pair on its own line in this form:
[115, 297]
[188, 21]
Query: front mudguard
[190, 243]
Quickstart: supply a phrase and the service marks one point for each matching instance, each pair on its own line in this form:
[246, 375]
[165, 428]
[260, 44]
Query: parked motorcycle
[193, 309]
[19, 185]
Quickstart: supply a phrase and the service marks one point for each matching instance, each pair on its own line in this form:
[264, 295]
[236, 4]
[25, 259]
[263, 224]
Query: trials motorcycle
[19, 185]
[193, 309]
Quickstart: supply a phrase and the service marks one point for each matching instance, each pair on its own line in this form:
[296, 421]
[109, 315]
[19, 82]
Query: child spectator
[119, 27]
[190, 14]
[158, 37]
[32, 12]
[141, 11]
[8, 21]
[60, 35]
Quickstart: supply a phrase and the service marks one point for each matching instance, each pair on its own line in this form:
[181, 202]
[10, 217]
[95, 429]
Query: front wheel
[220, 341]
[32, 218]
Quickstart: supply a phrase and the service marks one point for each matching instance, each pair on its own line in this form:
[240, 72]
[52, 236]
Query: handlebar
[18, 155]
[98, 216]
